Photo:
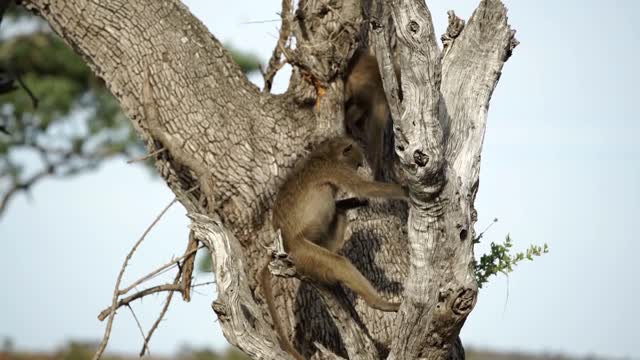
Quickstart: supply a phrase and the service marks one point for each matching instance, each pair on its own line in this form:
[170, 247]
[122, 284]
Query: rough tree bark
[238, 144]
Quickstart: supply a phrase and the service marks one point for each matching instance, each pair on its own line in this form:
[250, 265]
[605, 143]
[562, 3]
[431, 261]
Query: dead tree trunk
[236, 144]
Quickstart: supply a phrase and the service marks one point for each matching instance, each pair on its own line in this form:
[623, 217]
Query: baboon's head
[342, 149]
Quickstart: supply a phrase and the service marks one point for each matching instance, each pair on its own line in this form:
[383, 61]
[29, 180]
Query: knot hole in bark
[463, 232]
[414, 27]
[375, 24]
[420, 158]
[464, 302]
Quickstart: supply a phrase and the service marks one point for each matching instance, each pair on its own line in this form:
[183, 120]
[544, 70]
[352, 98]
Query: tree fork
[208, 109]
[438, 137]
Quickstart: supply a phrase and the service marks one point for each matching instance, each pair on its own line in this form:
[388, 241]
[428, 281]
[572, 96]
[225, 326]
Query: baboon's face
[352, 154]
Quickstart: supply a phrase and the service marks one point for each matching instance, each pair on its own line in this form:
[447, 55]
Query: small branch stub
[282, 264]
[453, 30]
[513, 43]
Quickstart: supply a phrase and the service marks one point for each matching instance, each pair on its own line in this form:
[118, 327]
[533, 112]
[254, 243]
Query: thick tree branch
[235, 302]
[439, 138]
[196, 88]
[275, 63]
[488, 40]
[418, 132]
[380, 43]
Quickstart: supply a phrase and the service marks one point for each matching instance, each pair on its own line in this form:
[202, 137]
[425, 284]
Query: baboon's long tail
[267, 290]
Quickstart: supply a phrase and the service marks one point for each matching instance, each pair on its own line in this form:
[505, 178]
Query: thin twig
[49, 170]
[165, 308]
[275, 63]
[60, 168]
[203, 284]
[34, 99]
[131, 298]
[145, 157]
[23, 186]
[133, 313]
[156, 272]
[167, 302]
[479, 237]
[116, 292]
[258, 21]
[187, 267]
[104, 313]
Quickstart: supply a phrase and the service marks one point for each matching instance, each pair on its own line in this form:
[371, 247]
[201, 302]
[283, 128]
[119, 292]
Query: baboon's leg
[326, 267]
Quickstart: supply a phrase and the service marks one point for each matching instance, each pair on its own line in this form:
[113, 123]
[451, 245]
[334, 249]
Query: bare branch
[103, 314]
[49, 170]
[63, 166]
[148, 156]
[187, 267]
[22, 186]
[10, 75]
[157, 272]
[275, 63]
[34, 99]
[133, 313]
[454, 29]
[116, 291]
[167, 302]
[129, 299]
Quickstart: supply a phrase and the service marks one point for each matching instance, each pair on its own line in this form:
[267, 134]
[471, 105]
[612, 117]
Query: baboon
[366, 107]
[312, 227]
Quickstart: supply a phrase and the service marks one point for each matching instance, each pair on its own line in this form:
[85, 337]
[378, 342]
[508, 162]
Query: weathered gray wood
[239, 315]
[438, 138]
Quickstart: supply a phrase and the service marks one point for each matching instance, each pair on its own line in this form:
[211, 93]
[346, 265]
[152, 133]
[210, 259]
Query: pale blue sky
[559, 165]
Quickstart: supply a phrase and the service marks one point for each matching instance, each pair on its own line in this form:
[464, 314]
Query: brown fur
[366, 107]
[312, 227]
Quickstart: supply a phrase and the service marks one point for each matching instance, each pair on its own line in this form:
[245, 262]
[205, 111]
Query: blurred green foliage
[77, 123]
[75, 350]
[248, 61]
[188, 353]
